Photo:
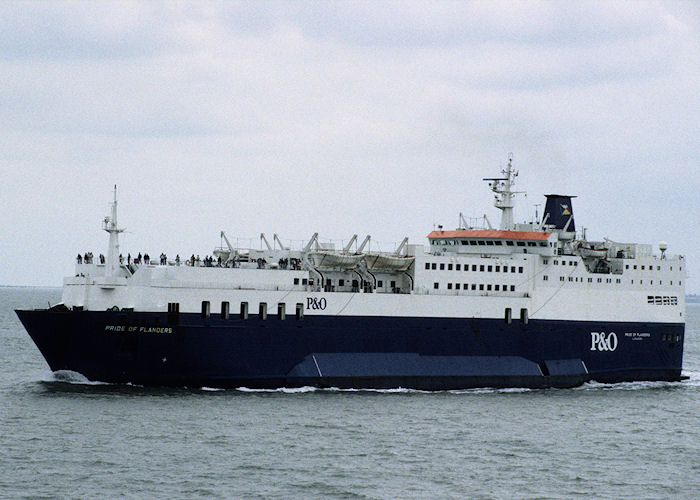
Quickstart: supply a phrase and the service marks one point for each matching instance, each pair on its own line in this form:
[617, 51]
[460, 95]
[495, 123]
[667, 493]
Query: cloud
[340, 117]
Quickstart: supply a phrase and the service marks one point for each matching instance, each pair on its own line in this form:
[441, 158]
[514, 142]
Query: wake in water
[692, 381]
[68, 377]
[397, 390]
[75, 378]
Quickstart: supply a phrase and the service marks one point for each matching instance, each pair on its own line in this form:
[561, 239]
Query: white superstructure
[544, 270]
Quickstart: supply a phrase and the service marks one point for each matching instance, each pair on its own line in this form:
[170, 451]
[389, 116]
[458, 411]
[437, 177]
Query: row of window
[662, 300]
[481, 268]
[174, 309]
[576, 279]
[651, 268]
[651, 282]
[563, 262]
[341, 282]
[669, 337]
[490, 243]
[476, 286]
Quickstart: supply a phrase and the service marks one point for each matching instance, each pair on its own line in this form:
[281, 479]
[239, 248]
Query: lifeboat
[379, 261]
[335, 260]
[595, 253]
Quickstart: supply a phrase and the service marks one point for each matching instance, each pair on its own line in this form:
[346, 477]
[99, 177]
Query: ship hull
[366, 352]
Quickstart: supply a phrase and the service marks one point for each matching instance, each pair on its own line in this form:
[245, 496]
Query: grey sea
[63, 437]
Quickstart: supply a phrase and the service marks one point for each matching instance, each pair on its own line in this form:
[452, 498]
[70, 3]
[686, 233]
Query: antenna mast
[504, 197]
[109, 224]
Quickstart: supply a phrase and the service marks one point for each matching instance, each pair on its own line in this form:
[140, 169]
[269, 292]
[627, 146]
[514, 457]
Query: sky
[362, 117]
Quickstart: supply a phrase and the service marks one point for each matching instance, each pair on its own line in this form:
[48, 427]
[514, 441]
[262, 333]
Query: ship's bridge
[489, 241]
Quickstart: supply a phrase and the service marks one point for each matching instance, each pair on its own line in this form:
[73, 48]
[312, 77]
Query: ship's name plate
[138, 329]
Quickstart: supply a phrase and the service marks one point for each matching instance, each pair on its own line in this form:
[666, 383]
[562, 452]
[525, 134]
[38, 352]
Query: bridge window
[296, 281]
[380, 284]
[498, 243]
[481, 287]
[482, 243]
[489, 243]
[433, 266]
[496, 287]
[481, 268]
[498, 269]
[456, 286]
[474, 269]
[458, 267]
[449, 286]
[473, 242]
[436, 285]
[442, 267]
[512, 288]
[427, 265]
[545, 278]
[509, 243]
[489, 268]
[521, 243]
[531, 244]
[449, 267]
[341, 282]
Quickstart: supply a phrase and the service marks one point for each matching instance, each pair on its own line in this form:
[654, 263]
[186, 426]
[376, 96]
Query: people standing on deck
[102, 259]
[177, 260]
[79, 259]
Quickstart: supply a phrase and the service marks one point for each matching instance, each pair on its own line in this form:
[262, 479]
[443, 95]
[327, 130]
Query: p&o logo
[602, 342]
[314, 303]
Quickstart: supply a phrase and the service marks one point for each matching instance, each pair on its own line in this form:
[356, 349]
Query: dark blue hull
[351, 352]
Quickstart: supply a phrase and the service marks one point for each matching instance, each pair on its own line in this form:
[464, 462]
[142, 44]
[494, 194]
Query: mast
[504, 197]
[110, 225]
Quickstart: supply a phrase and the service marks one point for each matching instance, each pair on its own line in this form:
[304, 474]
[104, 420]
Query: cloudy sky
[373, 118]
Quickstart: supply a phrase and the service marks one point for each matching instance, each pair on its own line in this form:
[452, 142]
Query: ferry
[530, 305]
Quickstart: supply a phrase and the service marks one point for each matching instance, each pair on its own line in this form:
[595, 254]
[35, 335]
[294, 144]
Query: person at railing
[79, 259]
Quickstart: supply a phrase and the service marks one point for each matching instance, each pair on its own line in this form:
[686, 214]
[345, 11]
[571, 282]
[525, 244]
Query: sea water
[62, 436]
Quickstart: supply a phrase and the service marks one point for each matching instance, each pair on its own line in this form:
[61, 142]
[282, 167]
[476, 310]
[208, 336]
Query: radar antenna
[504, 197]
